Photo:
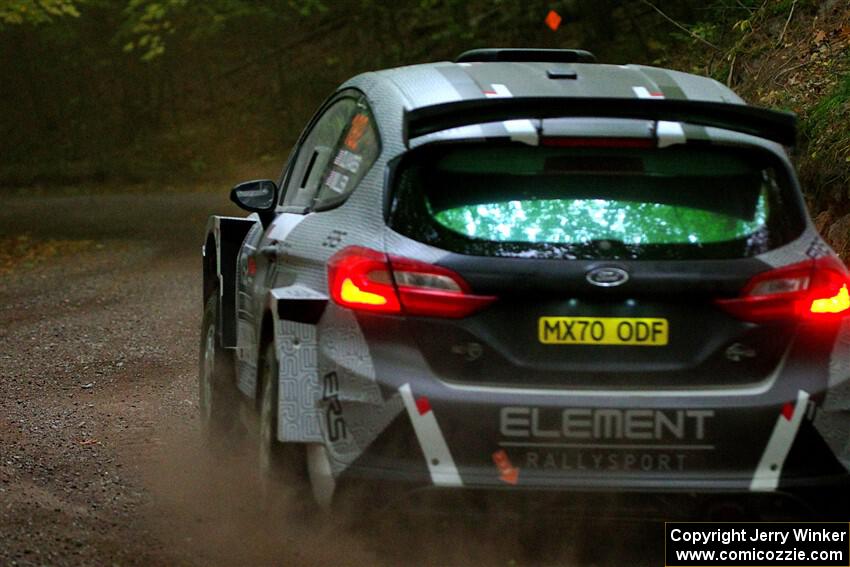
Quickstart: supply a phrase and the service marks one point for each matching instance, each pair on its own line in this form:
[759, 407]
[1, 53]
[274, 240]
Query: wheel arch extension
[294, 313]
[220, 253]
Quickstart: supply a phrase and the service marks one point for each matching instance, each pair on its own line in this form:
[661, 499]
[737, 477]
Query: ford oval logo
[607, 277]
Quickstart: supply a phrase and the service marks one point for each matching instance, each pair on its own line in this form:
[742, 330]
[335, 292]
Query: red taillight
[815, 289]
[367, 280]
[360, 278]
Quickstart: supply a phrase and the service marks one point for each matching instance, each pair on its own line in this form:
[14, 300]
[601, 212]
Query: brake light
[836, 304]
[815, 289]
[366, 280]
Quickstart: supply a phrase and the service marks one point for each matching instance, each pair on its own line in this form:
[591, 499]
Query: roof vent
[561, 72]
[526, 56]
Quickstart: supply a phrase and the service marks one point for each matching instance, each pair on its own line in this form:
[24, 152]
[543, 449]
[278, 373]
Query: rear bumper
[388, 416]
[507, 440]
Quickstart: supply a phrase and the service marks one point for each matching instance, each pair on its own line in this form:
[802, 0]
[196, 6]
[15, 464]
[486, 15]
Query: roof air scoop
[494, 55]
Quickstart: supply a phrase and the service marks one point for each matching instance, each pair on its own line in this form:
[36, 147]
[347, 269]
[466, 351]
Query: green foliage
[829, 131]
[308, 7]
[149, 23]
[16, 12]
[146, 89]
[835, 105]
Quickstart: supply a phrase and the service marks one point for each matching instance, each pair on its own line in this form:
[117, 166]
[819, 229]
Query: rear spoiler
[772, 125]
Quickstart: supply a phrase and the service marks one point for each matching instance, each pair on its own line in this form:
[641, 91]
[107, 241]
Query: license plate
[630, 331]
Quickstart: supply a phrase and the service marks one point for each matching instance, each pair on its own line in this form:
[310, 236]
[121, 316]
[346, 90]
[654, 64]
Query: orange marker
[507, 472]
[553, 20]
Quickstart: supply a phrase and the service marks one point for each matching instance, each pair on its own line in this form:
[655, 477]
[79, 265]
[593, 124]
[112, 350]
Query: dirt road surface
[100, 461]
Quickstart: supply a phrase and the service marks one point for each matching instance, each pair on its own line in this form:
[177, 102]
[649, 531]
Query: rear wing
[772, 125]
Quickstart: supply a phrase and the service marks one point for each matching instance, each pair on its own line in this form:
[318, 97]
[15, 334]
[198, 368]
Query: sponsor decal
[604, 424]
[817, 249]
[355, 132]
[605, 439]
[335, 424]
[507, 472]
[334, 239]
[348, 161]
[607, 460]
[336, 181]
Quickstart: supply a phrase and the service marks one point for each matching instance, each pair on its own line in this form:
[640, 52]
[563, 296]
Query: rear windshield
[595, 203]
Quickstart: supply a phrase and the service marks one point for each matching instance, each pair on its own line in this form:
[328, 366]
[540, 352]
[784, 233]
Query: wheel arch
[266, 335]
[210, 266]
[220, 252]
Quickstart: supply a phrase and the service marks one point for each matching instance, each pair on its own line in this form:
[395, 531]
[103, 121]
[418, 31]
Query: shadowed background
[167, 91]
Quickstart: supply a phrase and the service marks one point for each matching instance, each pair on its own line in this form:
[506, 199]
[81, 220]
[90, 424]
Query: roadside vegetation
[793, 55]
[176, 92]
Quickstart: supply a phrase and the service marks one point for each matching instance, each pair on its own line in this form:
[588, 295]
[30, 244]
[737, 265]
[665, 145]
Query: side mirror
[256, 196]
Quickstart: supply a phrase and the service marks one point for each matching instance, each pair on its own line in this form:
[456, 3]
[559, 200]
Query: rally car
[526, 271]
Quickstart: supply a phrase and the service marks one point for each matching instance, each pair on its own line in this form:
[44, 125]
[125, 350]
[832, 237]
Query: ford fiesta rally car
[524, 270]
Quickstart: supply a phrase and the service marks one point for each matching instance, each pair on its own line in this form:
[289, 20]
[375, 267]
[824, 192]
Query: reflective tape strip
[521, 130]
[643, 92]
[498, 90]
[769, 469]
[440, 463]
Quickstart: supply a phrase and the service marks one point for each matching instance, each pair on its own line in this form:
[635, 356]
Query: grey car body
[471, 402]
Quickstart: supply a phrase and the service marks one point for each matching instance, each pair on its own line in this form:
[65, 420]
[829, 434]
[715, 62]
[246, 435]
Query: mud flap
[355, 412]
[296, 310]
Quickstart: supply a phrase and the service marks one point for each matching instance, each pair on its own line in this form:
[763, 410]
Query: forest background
[118, 95]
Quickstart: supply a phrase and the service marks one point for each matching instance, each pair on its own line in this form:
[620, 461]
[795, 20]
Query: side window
[315, 153]
[354, 154]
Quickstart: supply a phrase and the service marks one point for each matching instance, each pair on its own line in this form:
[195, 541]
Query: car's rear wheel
[217, 396]
[283, 467]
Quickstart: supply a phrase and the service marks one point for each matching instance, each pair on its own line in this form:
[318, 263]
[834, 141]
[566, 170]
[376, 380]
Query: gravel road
[99, 447]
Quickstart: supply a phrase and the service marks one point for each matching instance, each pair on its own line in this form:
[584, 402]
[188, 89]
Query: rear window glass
[587, 203]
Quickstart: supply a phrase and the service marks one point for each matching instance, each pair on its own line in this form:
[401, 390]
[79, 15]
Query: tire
[218, 399]
[282, 466]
